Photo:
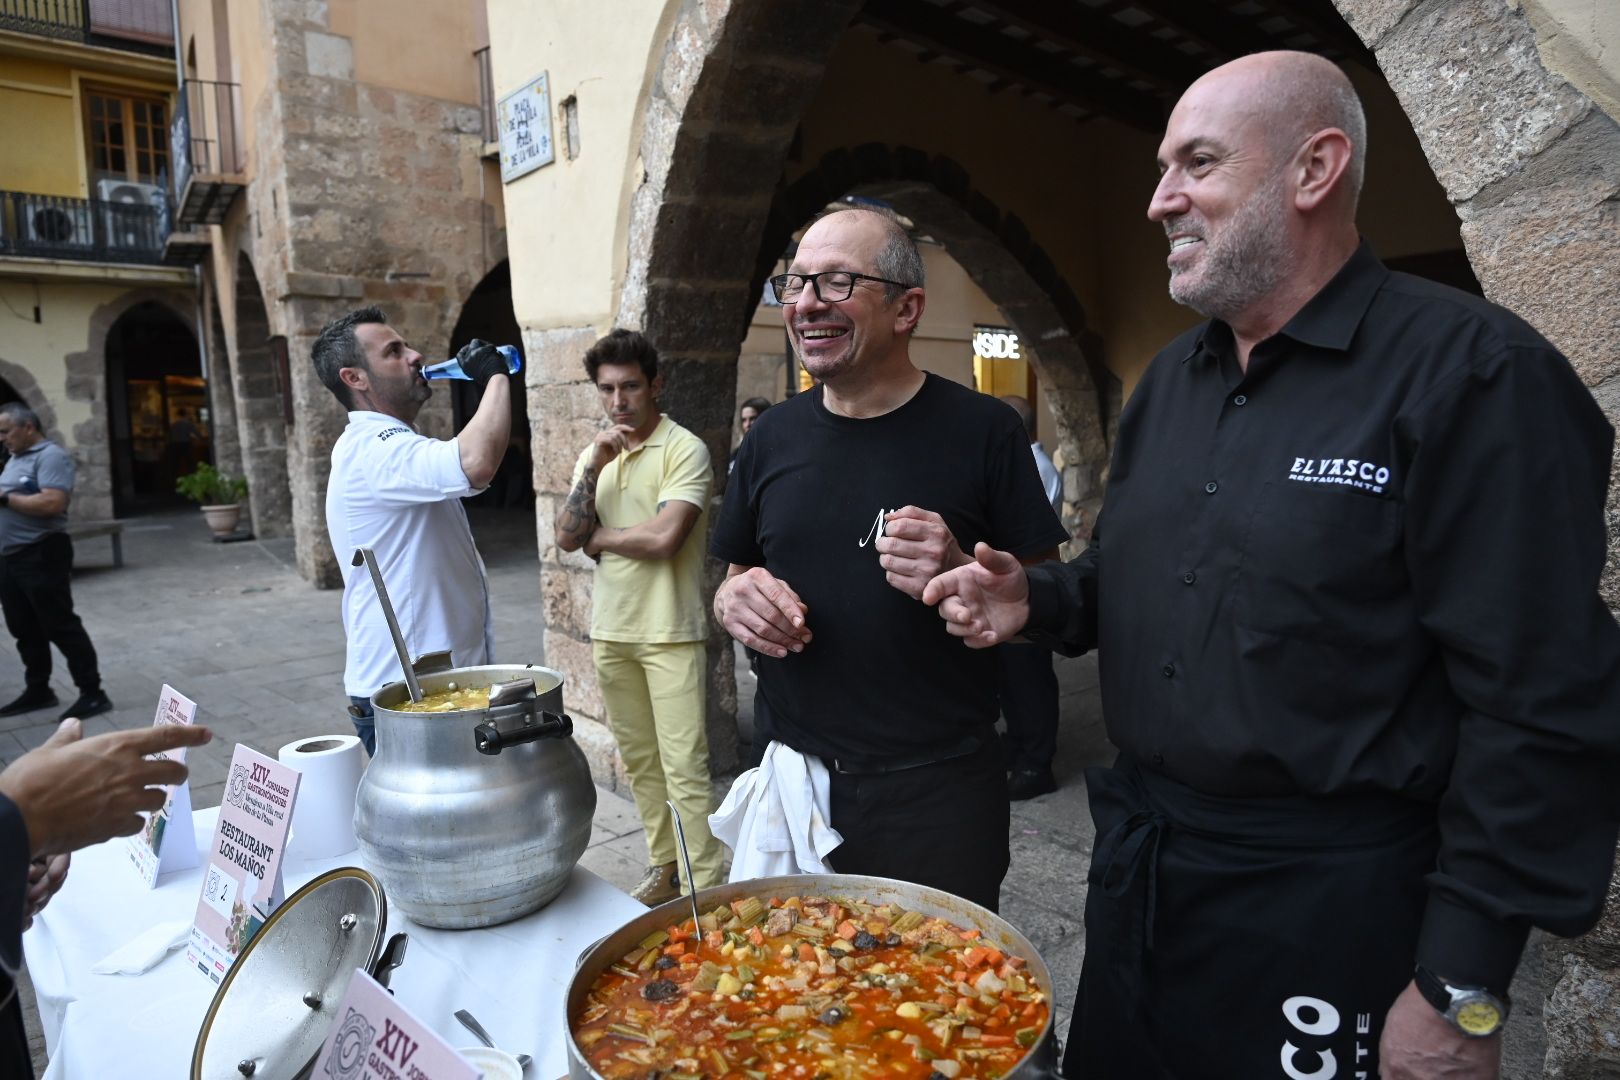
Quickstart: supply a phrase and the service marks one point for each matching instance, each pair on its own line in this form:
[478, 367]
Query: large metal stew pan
[1040, 1062]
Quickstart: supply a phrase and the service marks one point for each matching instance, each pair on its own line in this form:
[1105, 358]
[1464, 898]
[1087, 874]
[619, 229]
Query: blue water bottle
[451, 368]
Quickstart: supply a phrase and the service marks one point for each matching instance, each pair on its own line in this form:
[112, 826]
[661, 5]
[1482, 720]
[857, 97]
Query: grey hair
[898, 259]
[337, 347]
[18, 413]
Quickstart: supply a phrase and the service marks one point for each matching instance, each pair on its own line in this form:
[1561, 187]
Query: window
[128, 136]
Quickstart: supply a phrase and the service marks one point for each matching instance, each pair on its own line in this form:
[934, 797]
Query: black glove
[481, 360]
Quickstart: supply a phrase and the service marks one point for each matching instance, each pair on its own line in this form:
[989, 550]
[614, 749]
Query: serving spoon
[467, 1021]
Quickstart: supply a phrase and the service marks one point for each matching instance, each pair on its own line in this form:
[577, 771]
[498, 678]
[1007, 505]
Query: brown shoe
[659, 885]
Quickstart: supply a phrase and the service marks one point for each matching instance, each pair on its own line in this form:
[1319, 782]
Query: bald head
[1287, 97]
[1260, 170]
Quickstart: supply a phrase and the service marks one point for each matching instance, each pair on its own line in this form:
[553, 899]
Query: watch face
[1479, 1017]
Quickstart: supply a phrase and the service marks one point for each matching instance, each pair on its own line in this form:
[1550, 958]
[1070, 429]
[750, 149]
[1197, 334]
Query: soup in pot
[455, 700]
[811, 988]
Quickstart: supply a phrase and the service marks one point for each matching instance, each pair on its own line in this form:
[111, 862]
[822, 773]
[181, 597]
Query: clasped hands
[765, 614]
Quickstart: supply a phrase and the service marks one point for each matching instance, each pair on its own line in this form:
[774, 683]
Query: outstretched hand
[984, 602]
[74, 792]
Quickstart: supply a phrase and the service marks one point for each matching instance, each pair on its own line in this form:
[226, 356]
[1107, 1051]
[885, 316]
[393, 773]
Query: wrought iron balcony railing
[88, 230]
[205, 145]
[143, 26]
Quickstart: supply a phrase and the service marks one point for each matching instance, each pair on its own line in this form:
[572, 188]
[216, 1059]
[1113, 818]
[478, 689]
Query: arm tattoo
[577, 518]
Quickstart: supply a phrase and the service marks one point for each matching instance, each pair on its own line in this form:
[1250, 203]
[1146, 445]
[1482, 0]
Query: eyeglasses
[831, 285]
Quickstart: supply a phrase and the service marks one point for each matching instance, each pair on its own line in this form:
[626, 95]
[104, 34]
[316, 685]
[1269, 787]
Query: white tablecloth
[513, 978]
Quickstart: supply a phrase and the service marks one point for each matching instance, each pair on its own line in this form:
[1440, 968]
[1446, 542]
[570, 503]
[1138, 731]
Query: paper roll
[323, 816]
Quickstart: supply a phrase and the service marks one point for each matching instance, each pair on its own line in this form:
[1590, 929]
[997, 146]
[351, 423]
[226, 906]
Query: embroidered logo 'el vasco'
[1352, 472]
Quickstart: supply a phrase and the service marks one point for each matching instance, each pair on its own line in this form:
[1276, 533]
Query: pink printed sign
[377, 1038]
[242, 881]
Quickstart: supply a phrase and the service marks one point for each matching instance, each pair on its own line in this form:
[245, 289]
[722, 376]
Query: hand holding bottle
[478, 361]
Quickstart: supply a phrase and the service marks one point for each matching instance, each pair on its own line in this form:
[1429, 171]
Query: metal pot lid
[276, 1005]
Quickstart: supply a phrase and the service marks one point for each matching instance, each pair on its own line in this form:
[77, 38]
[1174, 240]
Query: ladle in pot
[369, 558]
[686, 862]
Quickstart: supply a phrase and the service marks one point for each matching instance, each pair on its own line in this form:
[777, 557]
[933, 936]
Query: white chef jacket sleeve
[404, 467]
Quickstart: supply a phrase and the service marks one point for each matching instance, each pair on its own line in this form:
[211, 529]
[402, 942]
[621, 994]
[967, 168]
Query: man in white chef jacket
[399, 493]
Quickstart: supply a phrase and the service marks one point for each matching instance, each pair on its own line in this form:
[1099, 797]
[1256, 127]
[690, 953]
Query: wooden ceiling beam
[1217, 29]
[1322, 20]
[1089, 32]
[939, 32]
[1210, 25]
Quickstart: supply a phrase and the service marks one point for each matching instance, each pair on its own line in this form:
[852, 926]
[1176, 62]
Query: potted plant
[219, 494]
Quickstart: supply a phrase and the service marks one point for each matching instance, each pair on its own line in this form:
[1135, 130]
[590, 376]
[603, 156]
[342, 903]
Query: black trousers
[1244, 938]
[942, 825]
[36, 593]
[1027, 685]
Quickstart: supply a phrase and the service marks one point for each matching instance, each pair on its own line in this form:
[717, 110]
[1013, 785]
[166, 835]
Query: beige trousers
[654, 697]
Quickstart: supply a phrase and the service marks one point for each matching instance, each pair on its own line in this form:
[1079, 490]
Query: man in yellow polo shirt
[638, 506]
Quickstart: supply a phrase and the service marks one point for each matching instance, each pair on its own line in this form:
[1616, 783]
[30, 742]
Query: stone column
[1532, 166]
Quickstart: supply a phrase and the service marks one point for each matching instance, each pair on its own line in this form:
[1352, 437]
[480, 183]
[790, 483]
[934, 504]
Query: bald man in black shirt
[1351, 644]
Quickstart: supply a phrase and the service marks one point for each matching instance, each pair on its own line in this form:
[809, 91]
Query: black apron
[1244, 938]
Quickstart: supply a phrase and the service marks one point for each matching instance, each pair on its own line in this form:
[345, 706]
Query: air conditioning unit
[132, 212]
[55, 223]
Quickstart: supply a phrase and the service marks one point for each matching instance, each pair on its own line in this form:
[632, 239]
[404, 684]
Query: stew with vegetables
[811, 988]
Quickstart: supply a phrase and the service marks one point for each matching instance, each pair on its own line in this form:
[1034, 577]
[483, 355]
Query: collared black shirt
[1370, 563]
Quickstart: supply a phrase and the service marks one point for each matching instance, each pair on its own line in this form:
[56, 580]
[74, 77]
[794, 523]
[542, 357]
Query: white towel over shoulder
[776, 817]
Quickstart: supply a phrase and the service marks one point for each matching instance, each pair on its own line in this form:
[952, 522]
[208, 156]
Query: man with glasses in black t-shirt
[1343, 592]
[844, 502]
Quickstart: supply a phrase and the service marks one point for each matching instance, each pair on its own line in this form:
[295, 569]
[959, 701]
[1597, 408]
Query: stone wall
[1532, 166]
[360, 195]
[260, 411]
[227, 442]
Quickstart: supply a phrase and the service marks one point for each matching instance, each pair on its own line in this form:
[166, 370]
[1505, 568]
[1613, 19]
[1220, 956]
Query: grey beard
[1246, 263]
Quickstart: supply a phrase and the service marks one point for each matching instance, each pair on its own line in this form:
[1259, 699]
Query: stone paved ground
[235, 628]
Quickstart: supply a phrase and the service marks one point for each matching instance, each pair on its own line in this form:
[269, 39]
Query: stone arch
[996, 250]
[1529, 162]
[91, 439]
[720, 117]
[721, 110]
[26, 387]
[486, 312]
[148, 343]
[261, 423]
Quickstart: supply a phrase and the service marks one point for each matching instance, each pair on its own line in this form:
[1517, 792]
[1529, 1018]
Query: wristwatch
[5, 498]
[1472, 1010]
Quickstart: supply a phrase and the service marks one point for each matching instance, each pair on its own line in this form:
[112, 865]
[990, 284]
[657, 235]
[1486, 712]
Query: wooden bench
[89, 530]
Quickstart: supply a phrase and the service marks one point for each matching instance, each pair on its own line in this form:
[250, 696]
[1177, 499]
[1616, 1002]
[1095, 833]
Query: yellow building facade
[87, 300]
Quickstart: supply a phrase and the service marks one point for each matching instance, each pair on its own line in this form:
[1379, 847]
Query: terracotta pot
[222, 519]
